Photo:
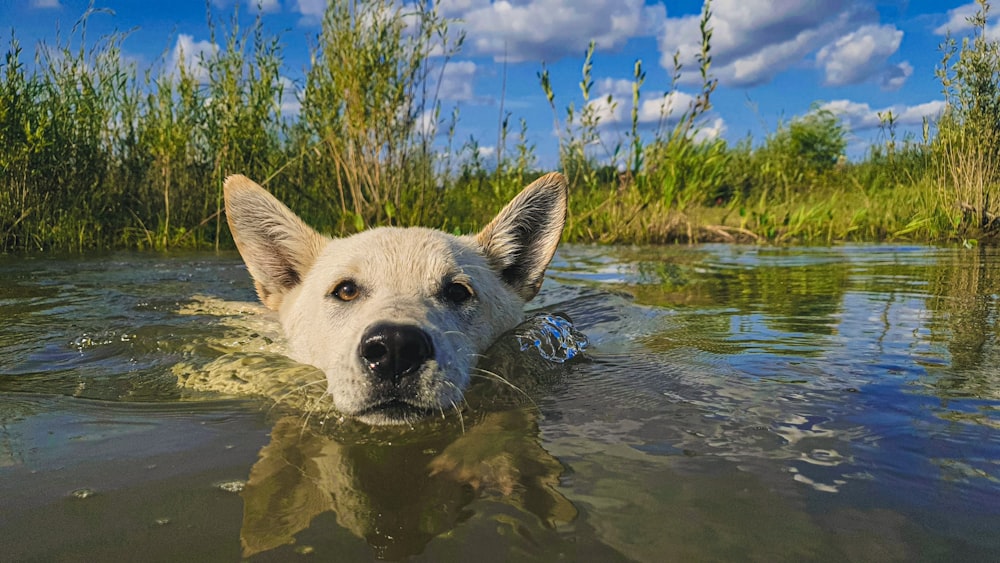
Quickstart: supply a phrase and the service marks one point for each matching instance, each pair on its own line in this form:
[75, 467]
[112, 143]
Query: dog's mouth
[393, 411]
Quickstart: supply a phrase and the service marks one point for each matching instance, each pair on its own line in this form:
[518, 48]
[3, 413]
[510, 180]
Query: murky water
[734, 403]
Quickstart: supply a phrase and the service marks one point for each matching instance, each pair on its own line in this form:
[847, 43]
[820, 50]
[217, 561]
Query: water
[733, 403]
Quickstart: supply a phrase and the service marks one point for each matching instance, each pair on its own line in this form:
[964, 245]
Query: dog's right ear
[277, 246]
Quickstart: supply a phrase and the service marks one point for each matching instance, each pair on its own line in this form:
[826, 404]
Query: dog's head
[396, 318]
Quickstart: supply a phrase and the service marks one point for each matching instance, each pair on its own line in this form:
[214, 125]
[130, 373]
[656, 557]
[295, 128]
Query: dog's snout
[394, 351]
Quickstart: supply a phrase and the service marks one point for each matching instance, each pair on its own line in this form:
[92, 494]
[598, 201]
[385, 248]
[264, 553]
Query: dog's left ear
[520, 241]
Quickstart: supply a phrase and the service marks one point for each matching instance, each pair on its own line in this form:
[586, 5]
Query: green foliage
[689, 172]
[967, 147]
[96, 154]
[817, 139]
[361, 131]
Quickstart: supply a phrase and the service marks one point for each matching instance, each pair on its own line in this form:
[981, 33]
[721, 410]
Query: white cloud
[615, 114]
[752, 42]
[607, 110]
[456, 81]
[264, 6]
[617, 87]
[289, 101]
[427, 123]
[894, 76]
[958, 22]
[45, 4]
[958, 19]
[667, 109]
[550, 29]
[188, 53]
[710, 132]
[862, 55]
[860, 116]
[914, 115]
[312, 10]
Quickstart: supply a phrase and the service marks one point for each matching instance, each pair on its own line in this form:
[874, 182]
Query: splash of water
[552, 336]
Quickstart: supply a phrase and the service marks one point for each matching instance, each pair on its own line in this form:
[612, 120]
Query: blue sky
[773, 59]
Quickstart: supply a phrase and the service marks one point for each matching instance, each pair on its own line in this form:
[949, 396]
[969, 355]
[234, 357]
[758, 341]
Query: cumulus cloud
[427, 123]
[958, 19]
[613, 107]
[456, 81]
[862, 55]
[958, 22]
[289, 101]
[752, 42]
[486, 152]
[550, 29]
[893, 76]
[264, 6]
[311, 10]
[189, 53]
[860, 116]
[668, 108]
[711, 131]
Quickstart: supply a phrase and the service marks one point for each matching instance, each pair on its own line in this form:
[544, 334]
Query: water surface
[735, 403]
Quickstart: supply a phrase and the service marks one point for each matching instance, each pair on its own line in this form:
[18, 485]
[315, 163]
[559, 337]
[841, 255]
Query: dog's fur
[396, 318]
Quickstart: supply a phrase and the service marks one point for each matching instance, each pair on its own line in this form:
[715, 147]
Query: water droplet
[83, 493]
[553, 336]
[234, 486]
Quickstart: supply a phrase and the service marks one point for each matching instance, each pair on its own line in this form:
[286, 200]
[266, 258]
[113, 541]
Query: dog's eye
[346, 290]
[456, 292]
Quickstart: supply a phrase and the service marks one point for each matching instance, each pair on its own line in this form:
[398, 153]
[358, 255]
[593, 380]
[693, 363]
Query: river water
[734, 403]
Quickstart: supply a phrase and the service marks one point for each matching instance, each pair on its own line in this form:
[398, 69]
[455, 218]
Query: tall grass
[370, 111]
[967, 147]
[97, 153]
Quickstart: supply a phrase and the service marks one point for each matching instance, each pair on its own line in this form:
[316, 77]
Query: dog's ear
[520, 241]
[276, 245]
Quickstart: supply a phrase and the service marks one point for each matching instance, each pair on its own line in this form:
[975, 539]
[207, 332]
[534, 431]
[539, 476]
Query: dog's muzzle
[393, 352]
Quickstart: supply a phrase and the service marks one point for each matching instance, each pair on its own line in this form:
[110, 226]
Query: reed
[97, 153]
[967, 147]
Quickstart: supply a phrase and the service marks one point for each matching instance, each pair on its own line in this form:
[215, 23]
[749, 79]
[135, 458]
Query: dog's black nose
[394, 351]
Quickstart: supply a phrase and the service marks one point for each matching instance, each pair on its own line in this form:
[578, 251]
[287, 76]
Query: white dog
[396, 318]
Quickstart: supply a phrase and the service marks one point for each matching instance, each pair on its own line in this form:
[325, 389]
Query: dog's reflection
[398, 494]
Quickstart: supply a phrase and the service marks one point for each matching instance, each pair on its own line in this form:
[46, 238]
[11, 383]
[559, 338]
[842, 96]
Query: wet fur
[401, 275]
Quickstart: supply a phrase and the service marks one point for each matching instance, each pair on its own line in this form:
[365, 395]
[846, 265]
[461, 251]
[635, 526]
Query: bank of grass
[97, 153]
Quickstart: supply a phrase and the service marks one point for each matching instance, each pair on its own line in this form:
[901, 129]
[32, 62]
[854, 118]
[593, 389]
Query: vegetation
[95, 153]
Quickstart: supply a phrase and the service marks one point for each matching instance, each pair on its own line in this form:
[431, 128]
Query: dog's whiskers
[456, 406]
[294, 390]
[314, 405]
[489, 375]
[461, 417]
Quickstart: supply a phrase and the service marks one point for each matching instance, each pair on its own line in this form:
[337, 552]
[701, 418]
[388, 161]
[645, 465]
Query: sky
[774, 60]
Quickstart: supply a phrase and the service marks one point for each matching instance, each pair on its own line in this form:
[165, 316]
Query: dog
[396, 317]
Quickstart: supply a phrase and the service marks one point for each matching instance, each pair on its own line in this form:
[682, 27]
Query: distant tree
[818, 138]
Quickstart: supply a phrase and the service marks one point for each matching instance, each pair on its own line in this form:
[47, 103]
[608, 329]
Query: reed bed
[97, 153]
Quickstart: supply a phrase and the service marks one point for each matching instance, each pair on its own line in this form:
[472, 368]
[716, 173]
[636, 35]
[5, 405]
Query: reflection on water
[399, 492]
[733, 403]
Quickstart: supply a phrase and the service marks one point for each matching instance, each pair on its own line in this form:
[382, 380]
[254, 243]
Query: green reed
[97, 153]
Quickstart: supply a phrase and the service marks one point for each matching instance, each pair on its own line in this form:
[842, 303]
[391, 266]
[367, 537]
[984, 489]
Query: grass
[97, 153]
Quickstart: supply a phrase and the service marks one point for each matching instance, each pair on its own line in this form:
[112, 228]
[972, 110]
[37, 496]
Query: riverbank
[97, 153]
